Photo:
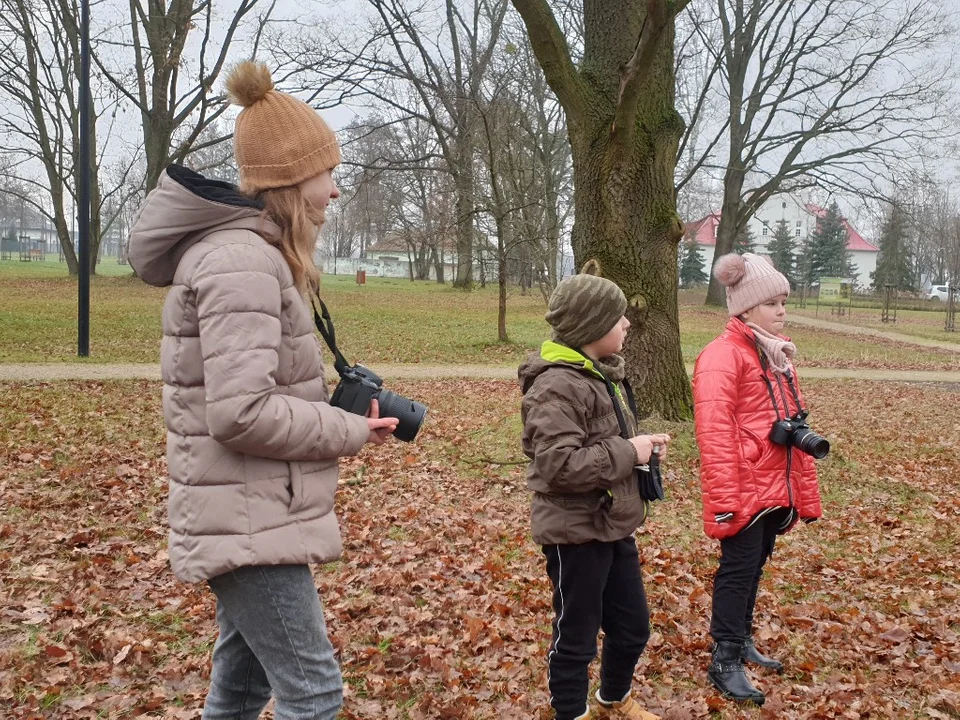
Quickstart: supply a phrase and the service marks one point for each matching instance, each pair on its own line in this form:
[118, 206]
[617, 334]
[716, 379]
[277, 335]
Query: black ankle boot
[728, 676]
[750, 654]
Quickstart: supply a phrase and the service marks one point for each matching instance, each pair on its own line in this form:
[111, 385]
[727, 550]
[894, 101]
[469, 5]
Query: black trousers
[596, 585]
[735, 585]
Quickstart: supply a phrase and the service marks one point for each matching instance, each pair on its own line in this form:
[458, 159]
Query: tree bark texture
[624, 134]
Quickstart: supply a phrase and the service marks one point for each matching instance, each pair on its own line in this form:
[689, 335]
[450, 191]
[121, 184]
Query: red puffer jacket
[741, 470]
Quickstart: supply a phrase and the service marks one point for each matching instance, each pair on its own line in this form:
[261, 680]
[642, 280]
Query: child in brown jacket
[580, 433]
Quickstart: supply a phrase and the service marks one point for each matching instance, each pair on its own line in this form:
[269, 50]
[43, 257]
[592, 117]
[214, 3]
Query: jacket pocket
[620, 510]
[752, 445]
[297, 495]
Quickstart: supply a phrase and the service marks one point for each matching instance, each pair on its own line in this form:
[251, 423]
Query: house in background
[801, 219]
[393, 257]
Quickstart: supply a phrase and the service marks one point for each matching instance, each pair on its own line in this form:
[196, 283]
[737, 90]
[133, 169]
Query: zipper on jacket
[786, 410]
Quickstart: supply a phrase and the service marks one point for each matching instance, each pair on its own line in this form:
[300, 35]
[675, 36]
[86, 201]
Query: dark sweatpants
[595, 585]
[735, 585]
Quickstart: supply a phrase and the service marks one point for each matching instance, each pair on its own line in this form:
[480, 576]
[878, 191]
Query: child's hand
[647, 445]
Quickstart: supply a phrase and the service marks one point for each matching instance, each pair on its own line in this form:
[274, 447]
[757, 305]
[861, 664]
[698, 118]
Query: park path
[873, 332]
[151, 371]
[39, 372]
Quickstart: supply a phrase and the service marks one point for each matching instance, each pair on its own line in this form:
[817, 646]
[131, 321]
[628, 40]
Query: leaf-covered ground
[440, 605]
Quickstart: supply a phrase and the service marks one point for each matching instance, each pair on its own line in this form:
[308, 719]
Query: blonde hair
[297, 240]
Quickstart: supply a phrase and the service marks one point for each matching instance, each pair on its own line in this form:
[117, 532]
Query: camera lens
[408, 412]
[808, 441]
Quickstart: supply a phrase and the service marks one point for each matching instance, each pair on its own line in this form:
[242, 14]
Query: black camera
[795, 431]
[359, 385]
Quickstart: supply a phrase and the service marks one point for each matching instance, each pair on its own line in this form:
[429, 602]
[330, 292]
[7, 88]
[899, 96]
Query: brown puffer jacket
[581, 470]
[252, 444]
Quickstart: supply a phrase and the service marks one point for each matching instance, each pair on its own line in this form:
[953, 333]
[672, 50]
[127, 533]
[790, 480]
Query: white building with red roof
[801, 219]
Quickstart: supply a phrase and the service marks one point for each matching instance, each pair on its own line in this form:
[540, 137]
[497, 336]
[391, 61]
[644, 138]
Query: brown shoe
[626, 708]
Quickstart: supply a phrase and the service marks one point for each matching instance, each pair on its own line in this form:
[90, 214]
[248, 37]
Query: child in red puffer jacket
[757, 480]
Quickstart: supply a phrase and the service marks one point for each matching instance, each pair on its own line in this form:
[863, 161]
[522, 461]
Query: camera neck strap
[618, 407]
[765, 366]
[649, 479]
[617, 400]
[324, 324]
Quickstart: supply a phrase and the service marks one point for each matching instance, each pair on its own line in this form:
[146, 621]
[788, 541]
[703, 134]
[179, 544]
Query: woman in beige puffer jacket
[253, 443]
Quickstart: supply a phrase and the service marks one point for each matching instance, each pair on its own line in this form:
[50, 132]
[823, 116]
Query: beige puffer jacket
[252, 442]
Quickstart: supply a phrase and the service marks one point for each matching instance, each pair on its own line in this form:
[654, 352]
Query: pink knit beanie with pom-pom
[750, 281]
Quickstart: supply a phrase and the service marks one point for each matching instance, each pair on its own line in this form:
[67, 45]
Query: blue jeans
[273, 640]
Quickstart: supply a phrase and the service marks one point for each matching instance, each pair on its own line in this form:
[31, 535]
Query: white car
[938, 292]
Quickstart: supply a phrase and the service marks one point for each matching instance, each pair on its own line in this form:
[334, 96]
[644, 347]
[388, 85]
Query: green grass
[52, 268]
[927, 323]
[385, 321]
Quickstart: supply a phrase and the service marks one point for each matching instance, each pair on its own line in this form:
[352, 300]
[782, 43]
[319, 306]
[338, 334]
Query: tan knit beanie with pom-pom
[278, 139]
[750, 280]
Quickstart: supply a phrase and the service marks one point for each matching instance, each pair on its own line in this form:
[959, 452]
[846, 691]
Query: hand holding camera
[380, 428]
[360, 388]
[647, 445]
[361, 392]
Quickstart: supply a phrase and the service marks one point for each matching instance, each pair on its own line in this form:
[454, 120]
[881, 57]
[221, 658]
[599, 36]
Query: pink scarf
[779, 352]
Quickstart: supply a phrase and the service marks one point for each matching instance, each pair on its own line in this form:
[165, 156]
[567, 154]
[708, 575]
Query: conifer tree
[894, 261]
[691, 265]
[744, 242]
[827, 249]
[783, 252]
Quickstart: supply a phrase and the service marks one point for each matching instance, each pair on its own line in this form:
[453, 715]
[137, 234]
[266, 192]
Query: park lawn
[52, 268]
[439, 607]
[386, 321]
[927, 324]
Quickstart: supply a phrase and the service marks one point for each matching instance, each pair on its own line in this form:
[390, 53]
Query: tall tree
[442, 55]
[538, 171]
[39, 66]
[691, 265]
[526, 161]
[783, 252]
[819, 93]
[894, 263]
[827, 247]
[152, 65]
[624, 135]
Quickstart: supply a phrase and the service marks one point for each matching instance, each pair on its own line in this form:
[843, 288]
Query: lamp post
[83, 187]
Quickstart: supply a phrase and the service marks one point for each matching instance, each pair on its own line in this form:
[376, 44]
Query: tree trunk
[628, 224]
[465, 225]
[63, 230]
[626, 218]
[727, 229]
[502, 301]
[437, 259]
[624, 134]
[503, 242]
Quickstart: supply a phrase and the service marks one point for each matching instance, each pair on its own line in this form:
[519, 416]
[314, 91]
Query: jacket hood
[551, 355]
[183, 208]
